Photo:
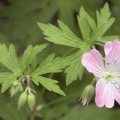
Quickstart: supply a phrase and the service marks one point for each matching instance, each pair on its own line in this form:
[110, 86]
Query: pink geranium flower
[107, 71]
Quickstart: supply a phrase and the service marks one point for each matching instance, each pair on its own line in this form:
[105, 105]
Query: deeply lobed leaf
[8, 58]
[49, 65]
[63, 36]
[48, 83]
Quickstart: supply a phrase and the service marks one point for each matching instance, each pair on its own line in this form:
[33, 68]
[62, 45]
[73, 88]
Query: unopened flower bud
[14, 90]
[15, 83]
[31, 100]
[22, 99]
[20, 88]
[87, 94]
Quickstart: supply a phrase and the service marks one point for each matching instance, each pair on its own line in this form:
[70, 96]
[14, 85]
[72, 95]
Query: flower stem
[100, 44]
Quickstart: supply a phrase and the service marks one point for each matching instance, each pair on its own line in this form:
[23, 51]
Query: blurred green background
[18, 25]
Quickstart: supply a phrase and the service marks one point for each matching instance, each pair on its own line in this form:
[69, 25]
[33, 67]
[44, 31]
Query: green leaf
[91, 21]
[4, 76]
[63, 36]
[75, 69]
[83, 24]
[9, 59]
[34, 64]
[99, 31]
[91, 112]
[30, 54]
[104, 22]
[104, 39]
[103, 16]
[8, 80]
[9, 111]
[49, 65]
[48, 83]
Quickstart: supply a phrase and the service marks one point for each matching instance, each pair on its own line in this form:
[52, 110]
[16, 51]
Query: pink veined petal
[108, 47]
[113, 57]
[99, 98]
[116, 88]
[109, 96]
[104, 94]
[93, 62]
[84, 102]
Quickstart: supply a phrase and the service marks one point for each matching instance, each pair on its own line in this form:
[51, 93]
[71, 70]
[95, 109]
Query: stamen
[107, 63]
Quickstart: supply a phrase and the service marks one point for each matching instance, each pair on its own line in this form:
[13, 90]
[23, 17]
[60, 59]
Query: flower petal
[99, 98]
[116, 88]
[93, 62]
[84, 102]
[104, 94]
[109, 95]
[112, 51]
[108, 48]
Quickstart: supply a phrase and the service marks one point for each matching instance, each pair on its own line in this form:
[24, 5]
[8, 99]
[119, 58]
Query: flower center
[107, 75]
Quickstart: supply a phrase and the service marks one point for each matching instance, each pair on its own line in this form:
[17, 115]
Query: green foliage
[48, 83]
[30, 54]
[63, 36]
[21, 17]
[90, 30]
[18, 25]
[75, 68]
[8, 58]
[49, 65]
[9, 110]
[93, 112]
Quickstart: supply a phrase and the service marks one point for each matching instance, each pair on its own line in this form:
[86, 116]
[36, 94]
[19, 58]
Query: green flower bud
[14, 90]
[31, 100]
[22, 99]
[15, 83]
[20, 88]
[87, 94]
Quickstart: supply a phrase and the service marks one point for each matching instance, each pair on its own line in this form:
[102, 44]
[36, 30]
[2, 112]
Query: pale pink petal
[84, 102]
[113, 58]
[109, 95]
[99, 97]
[104, 94]
[108, 47]
[116, 88]
[93, 62]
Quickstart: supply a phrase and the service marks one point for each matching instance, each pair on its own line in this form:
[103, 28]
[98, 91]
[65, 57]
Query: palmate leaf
[83, 24]
[67, 8]
[104, 39]
[99, 31]
[8, 58]
[49, 65]
[75, 69]
[91, 32]
[62, 36]
[104, 22]
[7, 78]
[48, 83]
[4, 76]
[30, 54]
